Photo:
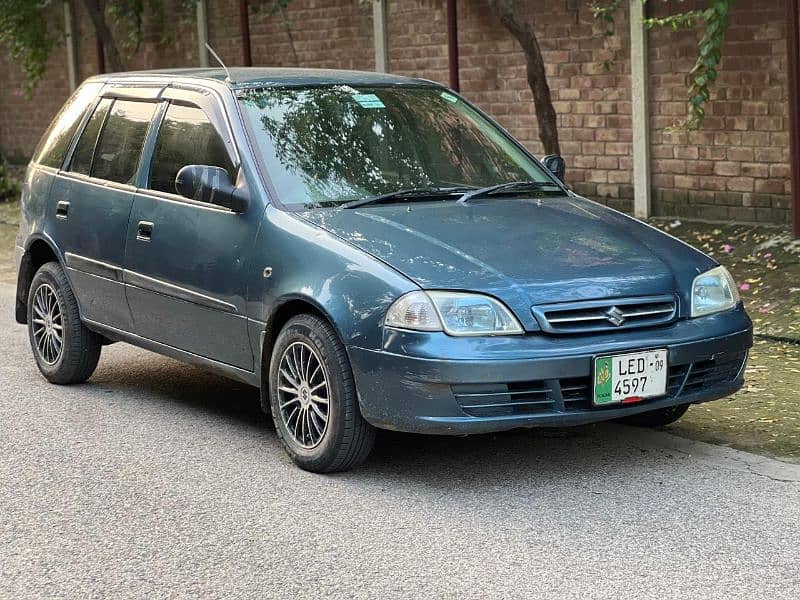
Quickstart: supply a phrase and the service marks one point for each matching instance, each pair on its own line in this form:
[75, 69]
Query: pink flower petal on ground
[768, 255]
[745, 287]
[726, 248]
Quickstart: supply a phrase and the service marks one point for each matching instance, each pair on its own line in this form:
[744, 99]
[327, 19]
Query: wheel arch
[289, 307]
[39, 250]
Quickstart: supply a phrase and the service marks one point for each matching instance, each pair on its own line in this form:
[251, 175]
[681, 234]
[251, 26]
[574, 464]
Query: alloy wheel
[303, 394]
[47, 325]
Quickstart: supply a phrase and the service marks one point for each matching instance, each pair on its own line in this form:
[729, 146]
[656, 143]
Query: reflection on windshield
[336, 144]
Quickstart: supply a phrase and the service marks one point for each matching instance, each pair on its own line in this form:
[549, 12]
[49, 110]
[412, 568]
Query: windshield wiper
[509, 186]
[420, 193]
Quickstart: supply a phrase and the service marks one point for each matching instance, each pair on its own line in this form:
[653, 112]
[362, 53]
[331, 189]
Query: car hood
[523, 251]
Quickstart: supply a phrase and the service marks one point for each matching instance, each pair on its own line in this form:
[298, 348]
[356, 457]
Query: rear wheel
[313, 398]
[64, 349]
[656, 418]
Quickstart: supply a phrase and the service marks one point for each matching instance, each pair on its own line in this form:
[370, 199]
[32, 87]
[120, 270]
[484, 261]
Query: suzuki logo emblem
[614, 316]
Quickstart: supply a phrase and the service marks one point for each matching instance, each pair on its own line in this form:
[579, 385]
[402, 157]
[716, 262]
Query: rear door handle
[144, 231]
[62, 209]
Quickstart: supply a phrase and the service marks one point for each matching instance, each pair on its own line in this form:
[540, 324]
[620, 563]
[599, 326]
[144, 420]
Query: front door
[184, 259]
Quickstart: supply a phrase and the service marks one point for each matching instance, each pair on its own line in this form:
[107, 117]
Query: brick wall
[735, 167]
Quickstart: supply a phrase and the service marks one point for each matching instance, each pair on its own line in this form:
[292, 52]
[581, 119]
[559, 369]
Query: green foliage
[127, 15]
[10, 187]
[704, 72]
[715, 18]
[24, 31]
[28, 28]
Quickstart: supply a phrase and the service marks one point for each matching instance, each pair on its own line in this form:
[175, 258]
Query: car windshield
[326, 146]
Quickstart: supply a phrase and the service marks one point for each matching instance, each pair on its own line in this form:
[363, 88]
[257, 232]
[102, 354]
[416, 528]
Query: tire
[75, 358]
[322, 437]
[656, 418]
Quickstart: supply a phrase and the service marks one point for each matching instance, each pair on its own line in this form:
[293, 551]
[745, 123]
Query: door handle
[144, 231]
[62, 209]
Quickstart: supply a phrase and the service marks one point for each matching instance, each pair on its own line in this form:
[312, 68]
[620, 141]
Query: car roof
[254, 77]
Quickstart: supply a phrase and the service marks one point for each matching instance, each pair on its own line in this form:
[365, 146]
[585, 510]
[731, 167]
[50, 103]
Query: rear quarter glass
[55, 142]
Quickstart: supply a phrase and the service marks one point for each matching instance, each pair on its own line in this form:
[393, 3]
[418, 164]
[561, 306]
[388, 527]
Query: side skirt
[223, 369]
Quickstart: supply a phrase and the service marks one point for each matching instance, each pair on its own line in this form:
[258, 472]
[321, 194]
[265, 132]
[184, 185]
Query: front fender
[353, 289]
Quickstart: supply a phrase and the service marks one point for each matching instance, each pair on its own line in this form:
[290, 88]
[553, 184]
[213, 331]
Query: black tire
[656, 418]
[79, 350]
[346, 439]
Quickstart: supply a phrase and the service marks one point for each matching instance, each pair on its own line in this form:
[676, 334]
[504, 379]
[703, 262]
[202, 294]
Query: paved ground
[158, 479]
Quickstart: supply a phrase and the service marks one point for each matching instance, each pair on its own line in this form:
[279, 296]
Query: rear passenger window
[186, 137]
[120, 144]
[84, 151]
[56, 140]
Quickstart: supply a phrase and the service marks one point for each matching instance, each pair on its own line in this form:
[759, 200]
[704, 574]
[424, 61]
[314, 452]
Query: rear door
[93, 196]
[184, 259]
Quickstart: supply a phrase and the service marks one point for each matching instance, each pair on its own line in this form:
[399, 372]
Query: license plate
[628, 378]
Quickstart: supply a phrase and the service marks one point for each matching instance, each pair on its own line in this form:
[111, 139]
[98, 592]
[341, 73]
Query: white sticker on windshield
[368, 101]
[449, 97]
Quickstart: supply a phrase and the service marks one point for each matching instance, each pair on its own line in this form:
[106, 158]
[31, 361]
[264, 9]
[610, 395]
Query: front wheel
[313, 398]
[656, 418]
[64, 349]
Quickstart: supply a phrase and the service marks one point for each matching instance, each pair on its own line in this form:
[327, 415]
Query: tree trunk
[103, 33]
[537, 79]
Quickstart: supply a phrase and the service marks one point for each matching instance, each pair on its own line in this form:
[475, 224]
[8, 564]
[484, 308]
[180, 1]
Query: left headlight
[713, 291]
[455, 313]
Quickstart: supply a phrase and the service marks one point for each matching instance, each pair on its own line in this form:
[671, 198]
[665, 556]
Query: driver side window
[186, 137]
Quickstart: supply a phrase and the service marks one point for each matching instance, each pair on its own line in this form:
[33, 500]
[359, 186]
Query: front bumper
[433, 383]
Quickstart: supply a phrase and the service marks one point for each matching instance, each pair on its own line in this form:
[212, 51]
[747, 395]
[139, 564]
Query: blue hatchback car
[371, 251]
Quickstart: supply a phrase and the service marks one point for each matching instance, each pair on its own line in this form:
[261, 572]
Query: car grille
[534, 397]
[606, 315]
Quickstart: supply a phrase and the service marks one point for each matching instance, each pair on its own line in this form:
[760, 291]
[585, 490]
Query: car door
[184, 258]
[93, 196]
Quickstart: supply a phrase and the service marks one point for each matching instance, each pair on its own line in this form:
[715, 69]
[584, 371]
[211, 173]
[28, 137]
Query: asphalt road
[157, 479]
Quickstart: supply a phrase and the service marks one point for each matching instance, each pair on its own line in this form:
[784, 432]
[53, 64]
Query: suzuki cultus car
[372, 251]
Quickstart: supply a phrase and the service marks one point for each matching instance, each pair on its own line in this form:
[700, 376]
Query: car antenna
[222, 64]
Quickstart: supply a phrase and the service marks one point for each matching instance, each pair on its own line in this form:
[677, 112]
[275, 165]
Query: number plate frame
[611, 401]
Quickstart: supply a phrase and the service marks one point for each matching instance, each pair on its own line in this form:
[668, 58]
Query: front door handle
[62, 209]
[144, 231]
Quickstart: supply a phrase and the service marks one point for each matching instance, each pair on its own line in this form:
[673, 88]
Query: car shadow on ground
[489, 460]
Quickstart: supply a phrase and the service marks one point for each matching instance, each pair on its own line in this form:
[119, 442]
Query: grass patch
[9, 222]
[764, 416]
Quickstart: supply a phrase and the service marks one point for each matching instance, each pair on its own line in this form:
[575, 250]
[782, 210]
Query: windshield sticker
[449, 97]
[368, 101]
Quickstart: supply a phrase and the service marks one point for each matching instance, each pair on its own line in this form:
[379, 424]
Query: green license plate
[629, 378]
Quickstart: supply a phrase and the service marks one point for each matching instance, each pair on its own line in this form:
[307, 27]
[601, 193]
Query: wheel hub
[47, 324]
[303, 394]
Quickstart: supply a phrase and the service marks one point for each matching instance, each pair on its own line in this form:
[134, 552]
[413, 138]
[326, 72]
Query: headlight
[713, 291]
[454, 313]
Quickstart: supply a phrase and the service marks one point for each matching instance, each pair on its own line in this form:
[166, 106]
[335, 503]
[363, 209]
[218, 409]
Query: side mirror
[210, 184]
[556, 165]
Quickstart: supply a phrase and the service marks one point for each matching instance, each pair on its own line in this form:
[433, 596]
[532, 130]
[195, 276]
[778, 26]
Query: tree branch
[103, 32]
[537, 78]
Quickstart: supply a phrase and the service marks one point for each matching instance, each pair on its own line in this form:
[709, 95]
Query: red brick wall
[735, 167]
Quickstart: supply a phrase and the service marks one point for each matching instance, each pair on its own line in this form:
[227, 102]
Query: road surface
[157, 479]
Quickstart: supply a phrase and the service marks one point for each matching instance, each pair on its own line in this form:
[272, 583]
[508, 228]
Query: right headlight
[713, 292]
[455, 313]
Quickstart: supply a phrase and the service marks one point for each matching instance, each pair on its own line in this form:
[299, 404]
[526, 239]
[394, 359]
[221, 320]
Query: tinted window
[121, 140]
[186, 137]
[82, 157]
[55, 142]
